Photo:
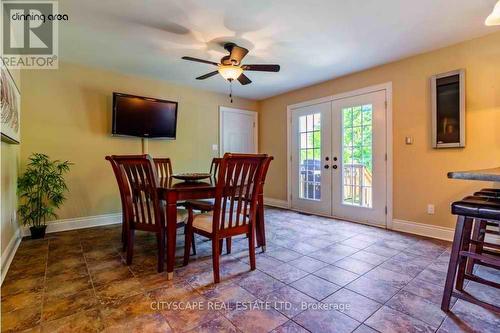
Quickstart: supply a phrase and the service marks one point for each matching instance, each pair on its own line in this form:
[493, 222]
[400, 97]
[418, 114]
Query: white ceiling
[312, 40]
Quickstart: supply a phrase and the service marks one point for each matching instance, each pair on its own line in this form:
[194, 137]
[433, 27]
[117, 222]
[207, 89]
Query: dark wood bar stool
[469, 248]
[481, 229]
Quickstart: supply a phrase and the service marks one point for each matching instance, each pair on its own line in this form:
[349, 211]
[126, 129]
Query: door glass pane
[357, 157]
[310, 156]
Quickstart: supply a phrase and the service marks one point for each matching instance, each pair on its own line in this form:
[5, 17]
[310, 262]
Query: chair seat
[204, 221]
[477, 207]
[182, 215]
[203, 205]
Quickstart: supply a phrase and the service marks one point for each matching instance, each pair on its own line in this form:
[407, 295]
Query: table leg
[171, 235]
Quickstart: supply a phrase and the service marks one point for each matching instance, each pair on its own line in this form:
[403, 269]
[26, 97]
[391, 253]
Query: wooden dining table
[174, 190]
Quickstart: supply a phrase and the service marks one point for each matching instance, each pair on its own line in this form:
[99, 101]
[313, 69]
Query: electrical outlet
[430, 209]
[215, 147]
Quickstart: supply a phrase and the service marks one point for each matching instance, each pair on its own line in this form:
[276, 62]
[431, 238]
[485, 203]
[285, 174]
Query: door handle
[334, 166]
[326, 166]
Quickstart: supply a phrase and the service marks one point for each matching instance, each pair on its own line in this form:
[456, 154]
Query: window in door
[310, 156]
[357, 156]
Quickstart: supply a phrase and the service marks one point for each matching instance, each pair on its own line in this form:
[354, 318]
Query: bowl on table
[191, 177]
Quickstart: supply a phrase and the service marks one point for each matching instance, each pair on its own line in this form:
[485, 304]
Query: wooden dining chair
[142, 208]
[214, 166]
[238, 184]
[118, 176]
[206, 205]
[164, 172]
[138, 181]
[163, 168]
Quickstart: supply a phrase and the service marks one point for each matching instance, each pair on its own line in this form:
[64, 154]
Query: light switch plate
[215, 147]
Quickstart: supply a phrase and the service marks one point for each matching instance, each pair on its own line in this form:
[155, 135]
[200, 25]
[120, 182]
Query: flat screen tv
[144, 117]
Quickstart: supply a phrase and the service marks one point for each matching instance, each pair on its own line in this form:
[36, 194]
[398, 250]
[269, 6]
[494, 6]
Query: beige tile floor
[317, 275]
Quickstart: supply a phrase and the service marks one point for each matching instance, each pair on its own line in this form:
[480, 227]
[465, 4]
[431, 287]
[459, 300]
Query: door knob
[334, 166]
[327, 166]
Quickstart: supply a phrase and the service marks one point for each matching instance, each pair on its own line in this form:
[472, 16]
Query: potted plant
[41, 190]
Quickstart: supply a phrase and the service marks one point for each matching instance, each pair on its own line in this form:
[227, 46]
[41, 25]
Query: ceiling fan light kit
[230, 72]
[494, 17]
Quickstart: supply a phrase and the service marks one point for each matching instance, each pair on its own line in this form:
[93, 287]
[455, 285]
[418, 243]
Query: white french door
[339, 158]
[311, 145]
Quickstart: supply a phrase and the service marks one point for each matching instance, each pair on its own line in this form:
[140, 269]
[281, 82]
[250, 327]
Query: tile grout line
[98, 305]
[45, 282]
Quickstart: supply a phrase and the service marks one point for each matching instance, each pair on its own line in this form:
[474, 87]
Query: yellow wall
[66, 113]
[419, 171]
[9, 171]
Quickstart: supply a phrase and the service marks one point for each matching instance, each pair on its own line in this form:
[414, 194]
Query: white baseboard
[423, 229]
[276, 203]
[9, 253]
[79, 223]
[433, 231]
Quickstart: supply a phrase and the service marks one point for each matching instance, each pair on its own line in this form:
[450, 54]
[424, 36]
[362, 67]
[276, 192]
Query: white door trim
[224, 109]
[389, 146]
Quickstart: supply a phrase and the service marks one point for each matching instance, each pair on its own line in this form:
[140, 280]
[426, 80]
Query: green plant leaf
[41, 189]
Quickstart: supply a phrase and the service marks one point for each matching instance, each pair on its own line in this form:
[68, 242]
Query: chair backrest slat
[163, 168]
[214, 166]
[238, 183]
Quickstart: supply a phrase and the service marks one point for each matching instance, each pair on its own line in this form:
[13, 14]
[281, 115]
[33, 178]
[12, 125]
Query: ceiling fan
[230, 66]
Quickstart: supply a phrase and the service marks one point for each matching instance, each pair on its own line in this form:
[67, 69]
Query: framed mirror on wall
[448, 109]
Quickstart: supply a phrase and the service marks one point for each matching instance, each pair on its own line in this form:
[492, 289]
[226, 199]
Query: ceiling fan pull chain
[231, 90]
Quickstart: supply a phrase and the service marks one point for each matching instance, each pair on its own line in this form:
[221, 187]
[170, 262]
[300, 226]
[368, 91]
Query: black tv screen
[144, 117]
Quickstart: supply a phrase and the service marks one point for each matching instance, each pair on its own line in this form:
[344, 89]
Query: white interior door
[338, 163]
[238, 131]
[359, 182]
[311, 147]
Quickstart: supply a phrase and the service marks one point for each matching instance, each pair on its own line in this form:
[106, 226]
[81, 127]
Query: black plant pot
[38, 232]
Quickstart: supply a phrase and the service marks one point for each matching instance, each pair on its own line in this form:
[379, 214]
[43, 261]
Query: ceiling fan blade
[200, 60]
[262, 68]
[237, 54]
[244, 80]
[206, 76]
